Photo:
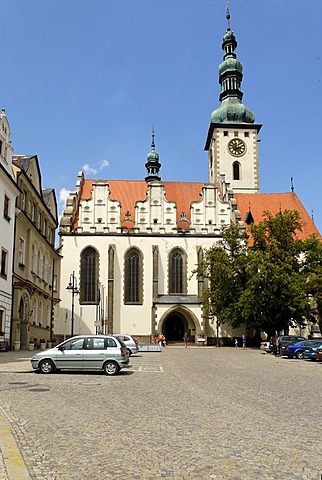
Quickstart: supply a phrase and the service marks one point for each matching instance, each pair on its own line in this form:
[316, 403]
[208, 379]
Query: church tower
[232, 140]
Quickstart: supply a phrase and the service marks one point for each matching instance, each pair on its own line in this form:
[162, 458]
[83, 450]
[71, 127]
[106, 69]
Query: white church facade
[128, 248]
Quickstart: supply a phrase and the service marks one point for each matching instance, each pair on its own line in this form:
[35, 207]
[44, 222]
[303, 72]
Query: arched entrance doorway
[175, 327]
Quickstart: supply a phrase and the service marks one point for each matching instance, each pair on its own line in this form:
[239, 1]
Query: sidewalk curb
[13, 461]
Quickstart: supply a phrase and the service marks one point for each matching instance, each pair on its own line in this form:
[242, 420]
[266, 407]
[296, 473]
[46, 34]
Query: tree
[223, 267]
[312, 272]
[275, 295]
[263, 285]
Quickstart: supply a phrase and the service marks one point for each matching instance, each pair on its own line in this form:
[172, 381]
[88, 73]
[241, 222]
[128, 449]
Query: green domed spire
[152, 165]
[231, 110]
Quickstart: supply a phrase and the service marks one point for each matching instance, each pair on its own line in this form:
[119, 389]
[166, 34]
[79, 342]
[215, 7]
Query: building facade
[129, 247]
[36, 262]
[8, 194]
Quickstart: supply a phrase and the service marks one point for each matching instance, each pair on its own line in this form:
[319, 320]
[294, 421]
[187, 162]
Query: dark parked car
[283, 341]
[311, 352]
[296, 349]
[319, 354]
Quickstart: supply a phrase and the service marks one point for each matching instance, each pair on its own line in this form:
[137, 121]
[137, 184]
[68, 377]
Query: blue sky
[83, 83]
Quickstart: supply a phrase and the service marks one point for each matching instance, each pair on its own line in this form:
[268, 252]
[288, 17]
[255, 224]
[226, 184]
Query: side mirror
[61, 348]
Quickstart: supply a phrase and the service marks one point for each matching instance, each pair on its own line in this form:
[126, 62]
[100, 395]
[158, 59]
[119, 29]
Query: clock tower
[232, 140]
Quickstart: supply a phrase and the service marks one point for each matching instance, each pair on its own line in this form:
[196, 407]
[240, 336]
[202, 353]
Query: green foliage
[312, 272]
[266, 285]
[224, 267]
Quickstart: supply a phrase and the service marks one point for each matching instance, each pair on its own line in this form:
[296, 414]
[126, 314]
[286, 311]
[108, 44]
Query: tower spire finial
[152, 165]
[228, 14]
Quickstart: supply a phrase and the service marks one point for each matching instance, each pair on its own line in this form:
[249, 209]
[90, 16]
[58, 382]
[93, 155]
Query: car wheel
[111, 368]
[299, 355]
[46, 366]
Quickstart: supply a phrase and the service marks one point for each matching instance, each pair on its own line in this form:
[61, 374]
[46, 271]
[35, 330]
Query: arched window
[33, 260]
[38, 263]
[236, 171]
[89, 276]
[46, 269]
[43, 267]
[133, 270]
[177, 272]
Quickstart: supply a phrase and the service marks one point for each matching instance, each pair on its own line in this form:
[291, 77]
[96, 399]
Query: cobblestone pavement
[195, 413]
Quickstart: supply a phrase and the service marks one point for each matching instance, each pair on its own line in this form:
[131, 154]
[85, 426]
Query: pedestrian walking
[236, 344]
[244, 341]
[185, 340]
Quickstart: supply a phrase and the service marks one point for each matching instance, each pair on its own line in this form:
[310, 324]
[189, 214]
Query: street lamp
[72, 287]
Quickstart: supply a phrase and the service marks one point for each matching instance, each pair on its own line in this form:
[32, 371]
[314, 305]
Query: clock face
[237, 147]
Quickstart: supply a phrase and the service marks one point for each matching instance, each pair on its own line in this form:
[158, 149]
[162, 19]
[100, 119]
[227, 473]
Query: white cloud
[96, 167]
[63, 194]
[103, 164]
[88, 169]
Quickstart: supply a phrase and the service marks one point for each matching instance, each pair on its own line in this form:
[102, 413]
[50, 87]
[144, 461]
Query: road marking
[14, 463]
[151, 369]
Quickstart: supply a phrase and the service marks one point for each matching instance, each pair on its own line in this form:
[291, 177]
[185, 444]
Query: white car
[265, 346]
[130, 342]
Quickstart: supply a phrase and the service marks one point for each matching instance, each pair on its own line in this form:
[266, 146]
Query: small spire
[249, 217]
[312, 216]
[228, 15]
[292, 185]
[152, 165]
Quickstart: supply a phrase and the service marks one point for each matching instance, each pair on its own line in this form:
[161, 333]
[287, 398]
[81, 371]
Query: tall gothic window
[89, 276]
[133, 277]
[177, 272]
[236, 171]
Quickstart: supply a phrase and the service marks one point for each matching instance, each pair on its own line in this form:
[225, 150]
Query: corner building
[9, 191]
[35, 275]
[129, 247]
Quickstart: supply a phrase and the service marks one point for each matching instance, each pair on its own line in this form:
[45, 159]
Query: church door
[175, 327]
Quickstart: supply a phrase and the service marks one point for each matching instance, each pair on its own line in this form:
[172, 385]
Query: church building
[129, 247]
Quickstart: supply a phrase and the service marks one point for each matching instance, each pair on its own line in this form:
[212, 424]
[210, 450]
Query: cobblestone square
[195, 413]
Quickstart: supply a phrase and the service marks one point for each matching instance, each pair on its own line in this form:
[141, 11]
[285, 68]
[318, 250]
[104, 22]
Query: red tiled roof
[183, 193]
[258, 203]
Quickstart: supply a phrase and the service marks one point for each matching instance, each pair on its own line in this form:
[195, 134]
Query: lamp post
[72, 287]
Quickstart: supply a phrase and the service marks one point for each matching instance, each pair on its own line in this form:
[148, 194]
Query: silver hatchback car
[84, 352]
[130, 342]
